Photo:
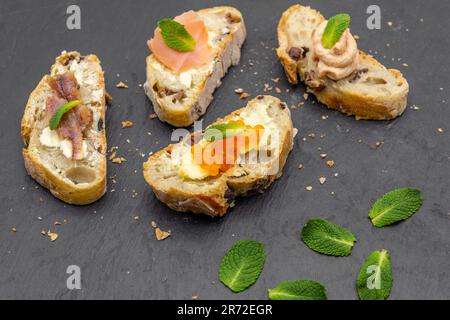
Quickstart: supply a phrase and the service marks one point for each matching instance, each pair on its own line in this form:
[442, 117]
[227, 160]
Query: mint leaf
[394, 206]
[327, 238]
[375, 277]
[242, 265]
[223, 130]
[176, 36]
[298, 290]
[334, 30]
[57, 116]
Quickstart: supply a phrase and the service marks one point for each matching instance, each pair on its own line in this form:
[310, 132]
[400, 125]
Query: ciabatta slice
[180, 99]
[214, 195]
[371, 92]
[73, 181]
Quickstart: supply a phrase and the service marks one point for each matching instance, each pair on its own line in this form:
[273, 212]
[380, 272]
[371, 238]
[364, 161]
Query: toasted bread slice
[214, 195]
[181, 98]
[73, 181]
[371, 92]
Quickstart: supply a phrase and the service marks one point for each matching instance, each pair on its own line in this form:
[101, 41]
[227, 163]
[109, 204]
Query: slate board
[119, 256]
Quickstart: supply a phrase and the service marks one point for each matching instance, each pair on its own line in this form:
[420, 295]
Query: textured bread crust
[385, 95]
[214, 196]
[38, 160]
[227, 54]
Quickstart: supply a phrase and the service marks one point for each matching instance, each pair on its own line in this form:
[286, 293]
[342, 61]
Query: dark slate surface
[119, 256]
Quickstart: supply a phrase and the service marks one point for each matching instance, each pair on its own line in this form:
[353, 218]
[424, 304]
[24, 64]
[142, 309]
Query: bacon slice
[75, 121]
[182, 61]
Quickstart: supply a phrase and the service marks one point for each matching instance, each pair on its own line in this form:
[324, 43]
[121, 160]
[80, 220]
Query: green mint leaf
[375, 277]
[176, 36]
[222, 131]
[298, 290]
[57, 116]
[334, 30]
[327, 238]
[242, 265]
[395, 206]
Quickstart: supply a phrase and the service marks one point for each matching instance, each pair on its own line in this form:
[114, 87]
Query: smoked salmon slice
[182, 61]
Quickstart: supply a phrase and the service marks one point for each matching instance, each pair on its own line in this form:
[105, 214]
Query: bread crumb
[405, 65]
[160, 234]
[389, 23]
[277, 90]
[153, 116]
[305, 96]
[118, 160]
[440, 130]
[14, 230]
[276, 80]
[52, 235]
[330, 163]
[312, 135]
[356, 37]
[244, 95]
[309, 188]
[300, 166]
[239, 90]
[378, 144]
[323, 155]
[122, 85]
[127, 124]
[267, 87]
[112, 156]
[322, 180]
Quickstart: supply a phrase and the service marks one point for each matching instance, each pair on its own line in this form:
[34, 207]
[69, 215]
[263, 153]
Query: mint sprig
[334, 30]
[242, 265]
[325, 237]
[375, 278]
[223, 131]
[60, 112]
[395, 206]
[176, 36]
[298, 290]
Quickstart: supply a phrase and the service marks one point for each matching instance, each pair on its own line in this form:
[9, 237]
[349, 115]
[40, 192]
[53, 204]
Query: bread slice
[180, 99]
[214, 195]
[371, 92]
[73, 181]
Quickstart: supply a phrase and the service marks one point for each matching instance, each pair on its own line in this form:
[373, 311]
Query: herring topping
[339, 61]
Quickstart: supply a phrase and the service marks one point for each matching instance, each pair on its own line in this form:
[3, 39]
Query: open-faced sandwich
[236, 156]
[63, 128]
[325, 55]
[190, 55]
